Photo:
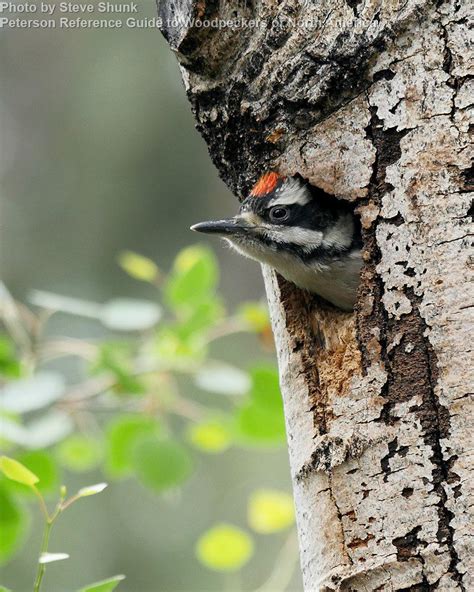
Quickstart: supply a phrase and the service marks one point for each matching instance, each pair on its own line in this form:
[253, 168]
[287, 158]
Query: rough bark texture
[369, 100]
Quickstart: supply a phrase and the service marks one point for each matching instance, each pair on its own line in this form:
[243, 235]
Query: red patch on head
[266, 184]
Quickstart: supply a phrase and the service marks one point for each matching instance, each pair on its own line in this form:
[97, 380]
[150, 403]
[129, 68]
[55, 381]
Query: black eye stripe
[312, 215]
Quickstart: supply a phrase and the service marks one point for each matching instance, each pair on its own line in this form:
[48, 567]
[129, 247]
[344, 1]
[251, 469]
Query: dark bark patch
[435, 422]
[253, 65]
[353, 4]
[397, 220]
[386, 74]
[409, 366]
[421, 587]
[236, 140]
[371, 315]
[388, 151]
[351, 515]
[470, 211]
[408, 546]
[333, 451]
[360, 543]
[468, 180]
[278, 34]
[387, 415]
[393, 450]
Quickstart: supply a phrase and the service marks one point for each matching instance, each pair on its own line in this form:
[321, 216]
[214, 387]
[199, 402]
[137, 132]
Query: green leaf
[261, 420]
[10, 365]
[265, 388]
[203, 316]
[254, 315]
[116, 358]
[257, 425]
[43, 465]
[126, 314]
[217, 377]
[193, 279]
[177, 352]
[3, 589]
[15, 471]
[270, 511]
[104, 585]
[138, 267]
[122, 435]
[14, 523]
[161, 464]
[79, 453]
[212, 436]
[29, 394]
[224, 548]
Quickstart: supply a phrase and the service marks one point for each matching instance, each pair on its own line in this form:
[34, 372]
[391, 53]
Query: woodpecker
[309, 237]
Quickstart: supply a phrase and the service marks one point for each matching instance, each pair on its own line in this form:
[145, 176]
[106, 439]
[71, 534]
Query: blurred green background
[99, 154]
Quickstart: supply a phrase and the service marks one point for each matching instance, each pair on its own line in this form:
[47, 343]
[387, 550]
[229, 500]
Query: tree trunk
[368, 100]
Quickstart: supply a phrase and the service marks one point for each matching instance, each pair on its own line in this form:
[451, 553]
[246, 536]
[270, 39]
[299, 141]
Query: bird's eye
[279, 214]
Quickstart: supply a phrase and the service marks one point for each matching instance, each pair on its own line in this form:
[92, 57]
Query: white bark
[374, 105]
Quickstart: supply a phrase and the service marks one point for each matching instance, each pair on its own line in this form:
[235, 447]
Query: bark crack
[404, 381]
[344, 543]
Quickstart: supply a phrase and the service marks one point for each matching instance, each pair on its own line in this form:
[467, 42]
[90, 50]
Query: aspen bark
[372, 102]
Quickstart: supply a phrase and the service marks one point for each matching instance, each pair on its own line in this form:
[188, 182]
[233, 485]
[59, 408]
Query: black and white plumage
[309, 237]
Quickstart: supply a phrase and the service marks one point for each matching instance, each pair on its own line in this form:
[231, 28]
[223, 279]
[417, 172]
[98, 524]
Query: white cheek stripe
[295, 235]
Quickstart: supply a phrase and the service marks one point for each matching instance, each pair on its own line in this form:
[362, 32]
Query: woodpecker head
[284, 219]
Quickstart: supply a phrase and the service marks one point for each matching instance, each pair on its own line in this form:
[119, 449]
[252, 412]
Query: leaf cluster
[152, 396]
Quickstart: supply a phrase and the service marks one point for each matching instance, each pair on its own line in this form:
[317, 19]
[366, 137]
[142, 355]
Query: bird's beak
[228, 227]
